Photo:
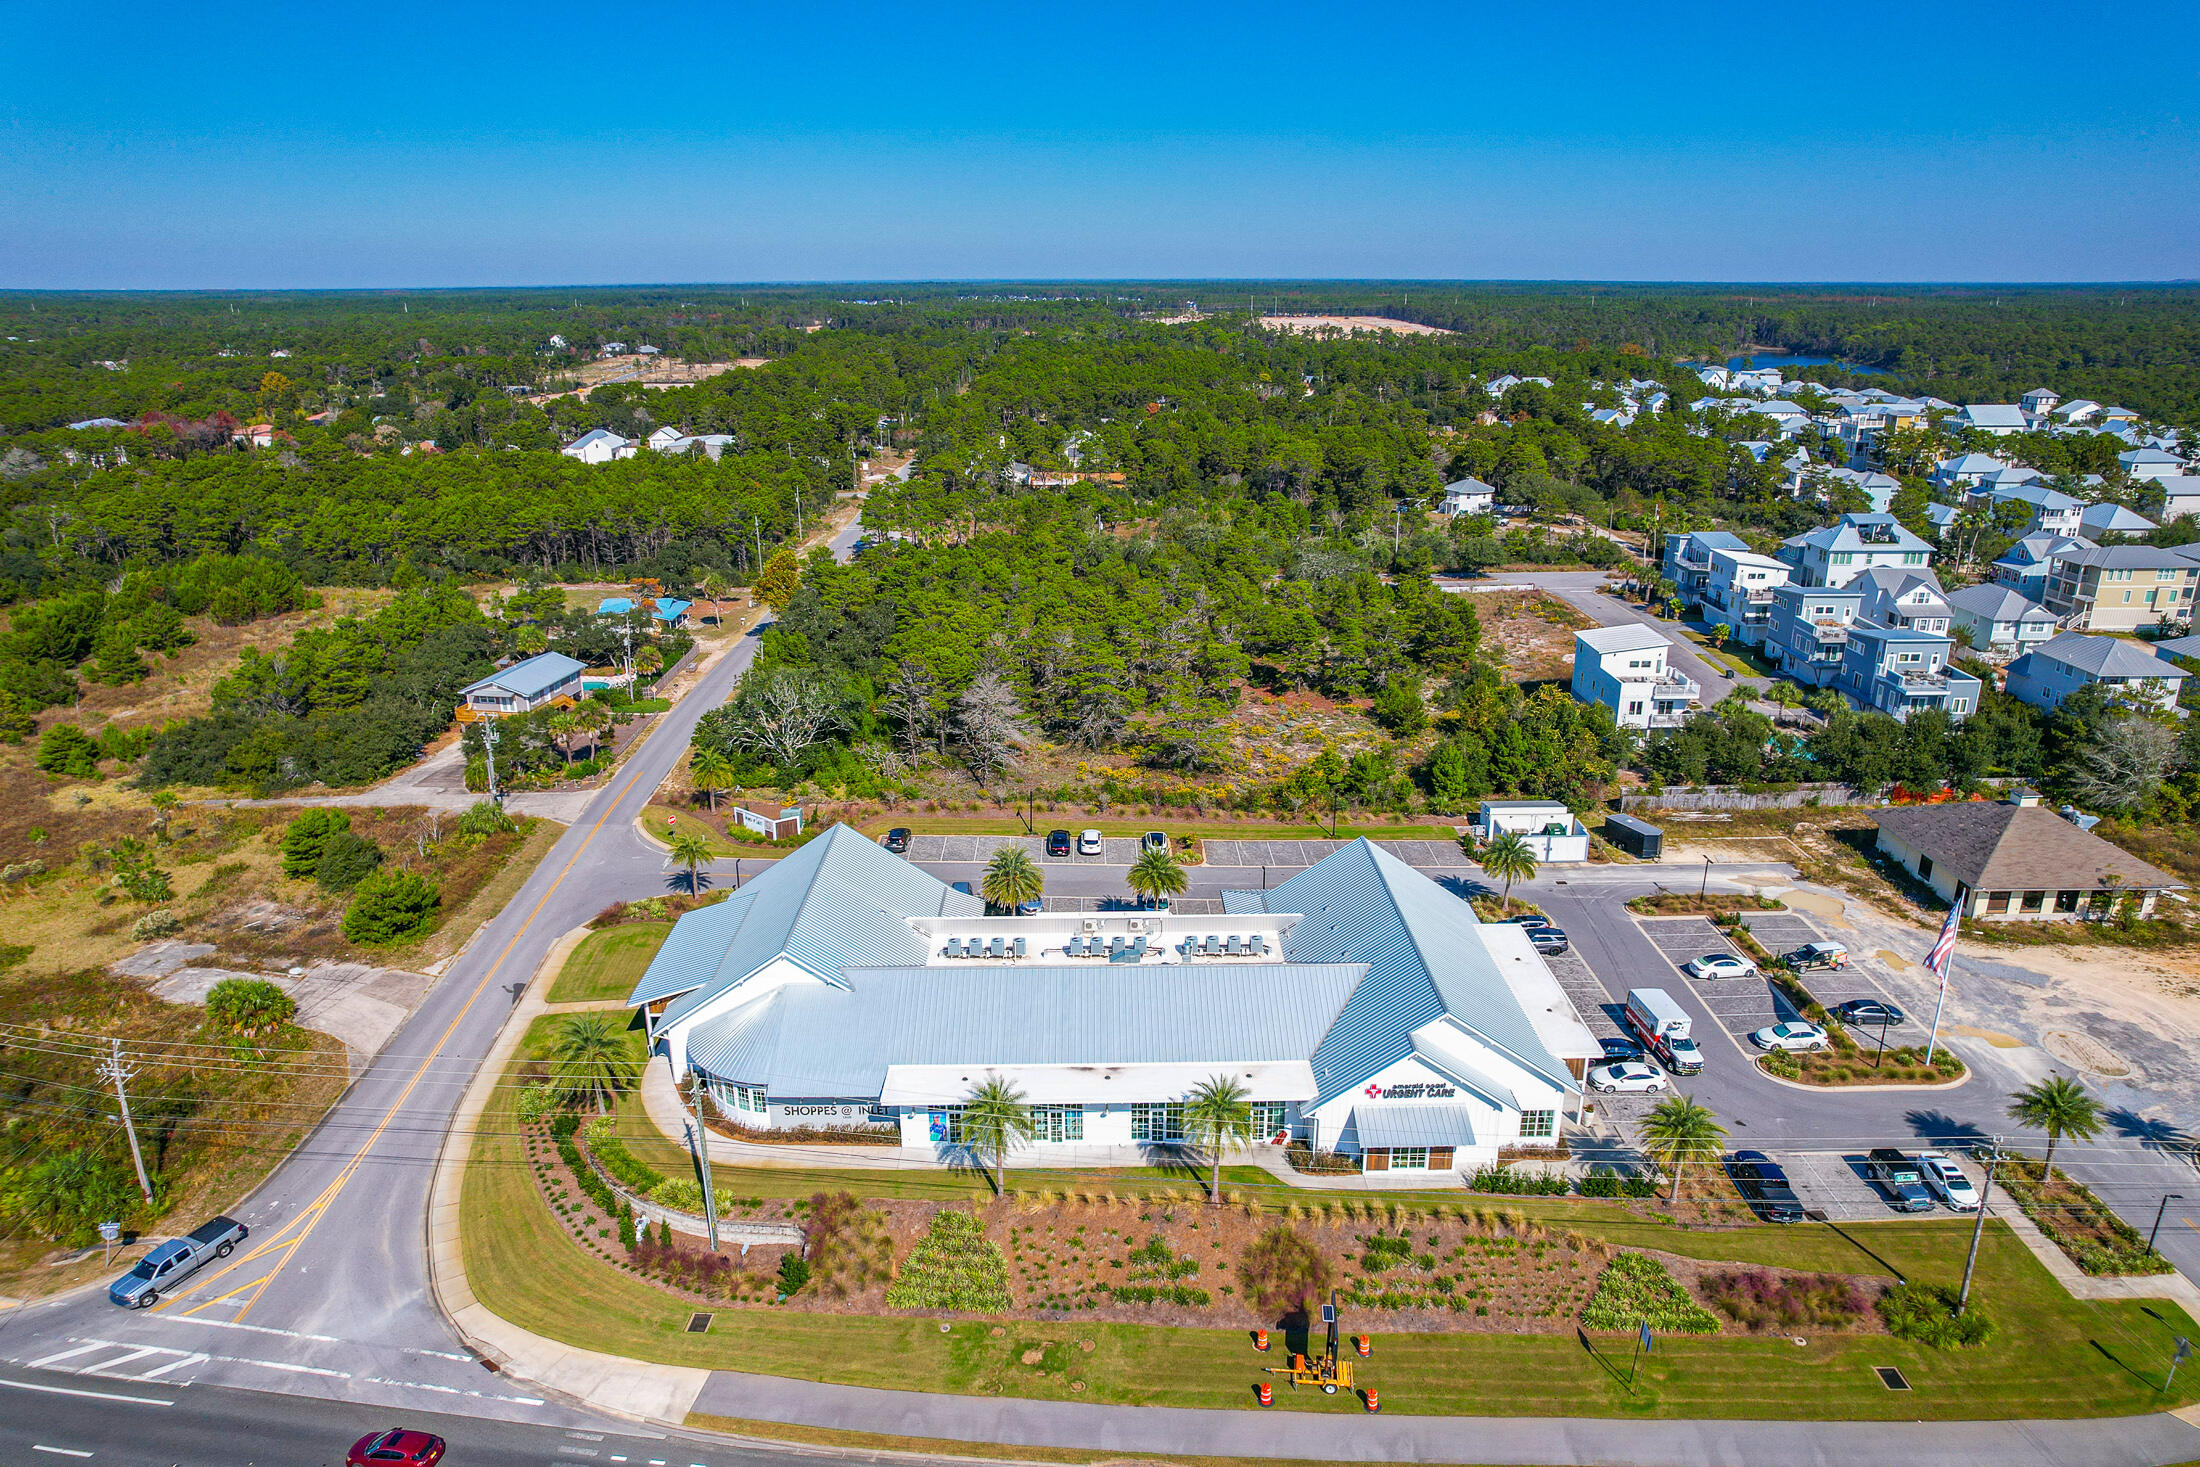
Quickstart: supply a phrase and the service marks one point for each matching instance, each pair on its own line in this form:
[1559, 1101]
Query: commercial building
[1549, 828]
[1363, 1008]
[2016, 862]
[1625, 669]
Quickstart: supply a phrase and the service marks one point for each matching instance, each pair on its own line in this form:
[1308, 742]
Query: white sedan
[1947, 1181]
[1790, 1036]
[1088, 843]
[1719, 965]
[1627, 1077]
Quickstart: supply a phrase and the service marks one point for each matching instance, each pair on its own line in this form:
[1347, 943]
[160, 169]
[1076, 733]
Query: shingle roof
[1425, 959]
[1997, 847]
[835, 1041]
[2105, 656]
[532, 678]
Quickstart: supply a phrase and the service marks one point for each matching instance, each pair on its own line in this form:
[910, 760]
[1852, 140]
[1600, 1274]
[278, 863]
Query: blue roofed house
[2110, 518]
[1738, 592]
[523, 687]
[2052, 671]
[1839, 553]
[2150, 463]
[667, 610]
[1807, 634]
[1899, 671]
[2000, 622]
[2046, 509]
[1362, 1007]
[2027, 566]
[1998, 418]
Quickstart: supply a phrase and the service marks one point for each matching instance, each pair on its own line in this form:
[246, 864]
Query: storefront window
[1057, 1123]
[947, 1124]
[1409, 1158]
[1268, 1118]
[1157, 1123]
[1538, 1125]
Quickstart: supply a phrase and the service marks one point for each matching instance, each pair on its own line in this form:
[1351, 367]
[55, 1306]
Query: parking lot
[1741, 1005]
[1121, 850]
[1115, 850]
[1295, 853]
[1601, 1012]
[1832, 1185]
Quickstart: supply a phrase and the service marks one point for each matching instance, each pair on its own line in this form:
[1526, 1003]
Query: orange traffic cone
[1260, 1340]
[1267, 1394]
[1374, 1402]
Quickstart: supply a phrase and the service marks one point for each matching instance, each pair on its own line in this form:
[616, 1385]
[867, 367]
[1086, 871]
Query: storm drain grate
[698, 1323]
[1890, 1377]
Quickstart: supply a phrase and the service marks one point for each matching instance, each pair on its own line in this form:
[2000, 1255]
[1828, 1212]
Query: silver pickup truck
[167, 1266]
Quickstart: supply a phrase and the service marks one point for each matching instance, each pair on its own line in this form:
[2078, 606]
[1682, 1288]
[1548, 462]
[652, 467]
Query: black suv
[897, 839]
[1765, 1186]
[1057, 843]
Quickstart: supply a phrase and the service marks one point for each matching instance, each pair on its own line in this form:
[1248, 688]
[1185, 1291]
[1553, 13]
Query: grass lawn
[606, 963]
[2052, 1356]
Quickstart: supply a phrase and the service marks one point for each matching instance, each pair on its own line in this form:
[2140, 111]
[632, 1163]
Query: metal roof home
[1989, 846]
[2113, 519]
[1628, 637]
[2106, 657]
[1425, 961]
[1995, 417]
[1998, 603]
[529, 680]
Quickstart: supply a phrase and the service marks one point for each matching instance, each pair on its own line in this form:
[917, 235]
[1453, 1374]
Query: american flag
[1936, 961]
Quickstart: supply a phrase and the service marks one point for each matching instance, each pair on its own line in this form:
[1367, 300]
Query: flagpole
[1938, 961]
[1939, 1003]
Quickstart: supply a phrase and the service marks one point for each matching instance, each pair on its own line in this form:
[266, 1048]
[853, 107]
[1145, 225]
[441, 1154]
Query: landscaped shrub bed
[1637, 1289]
[610, 1152]
[955, 1266]
[1759, 1299]
[2097, 1240]
[1610, 1184]
[1503, 1180]
[1927, 1314]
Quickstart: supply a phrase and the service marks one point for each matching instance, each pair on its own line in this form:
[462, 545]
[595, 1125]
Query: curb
[1969, 1070]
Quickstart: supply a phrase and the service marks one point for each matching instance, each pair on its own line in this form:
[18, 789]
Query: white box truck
[1663, 1026]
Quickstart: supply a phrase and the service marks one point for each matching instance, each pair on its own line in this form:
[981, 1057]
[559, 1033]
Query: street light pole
[1990, 1155]
[2167, 1199]
[1706, 887]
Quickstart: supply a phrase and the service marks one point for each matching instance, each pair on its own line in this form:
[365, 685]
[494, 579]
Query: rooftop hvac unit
[1135, 924]
[1091, 924]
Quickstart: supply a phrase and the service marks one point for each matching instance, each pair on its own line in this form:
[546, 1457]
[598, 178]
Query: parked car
[1626, 1077]
[1154, 840]
[1057, 842]
[1947, 1181]
[964, 888]
[1031, 908]
[1763, 1183]
[1549, 941]
[1869, 1013]
[395, 1448]
[1817, 955]
[897, 839]
[1898, 1178]
[1790, 1036]
[164, 1269]
[1089, 843]
[1621, 1049]
[1681, 1056]
[1527, 919]
[1719, 965]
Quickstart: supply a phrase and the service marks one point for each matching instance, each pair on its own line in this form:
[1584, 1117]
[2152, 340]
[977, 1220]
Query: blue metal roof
[836, 903]
[832, 1041]
[1425, 959]
[1387, 1126]
[615, 606]
[532, 678]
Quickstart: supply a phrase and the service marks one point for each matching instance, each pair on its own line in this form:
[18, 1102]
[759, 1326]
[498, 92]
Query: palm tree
[1011, 879]
[2061, 1107]
[563, 725]
[995, 1121]
[1678, 1131]
[530, 640]
[649, 662]
[593, 1058]
[713, 588]
[1720, 633]
[1508, 858]
[710, 771]
[1156, 875]
[596, 718]
[1219, 1118]
[691, 848]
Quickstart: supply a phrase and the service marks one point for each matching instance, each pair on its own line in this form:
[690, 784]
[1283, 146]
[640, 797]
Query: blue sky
[410, 144]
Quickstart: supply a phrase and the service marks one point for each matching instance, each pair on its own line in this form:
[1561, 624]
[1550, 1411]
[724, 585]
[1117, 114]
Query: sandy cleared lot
[1350, 324]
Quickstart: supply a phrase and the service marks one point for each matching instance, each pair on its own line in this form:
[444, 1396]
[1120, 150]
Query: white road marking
[65, 1354]
[24, 1385]
[284, 1365]
[58, 1451]
[421, 1385]
[158, 1370]
[109, 1367]
[577, 1451]
[258, 1329]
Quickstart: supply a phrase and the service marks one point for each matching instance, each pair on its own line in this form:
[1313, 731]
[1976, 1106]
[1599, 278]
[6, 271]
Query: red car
[396, 1446]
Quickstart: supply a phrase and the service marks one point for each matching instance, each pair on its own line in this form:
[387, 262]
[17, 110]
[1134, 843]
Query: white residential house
[1687, 562]
[2039, 402]
[2046, 509]
[1997, 418]
[2180, 496]
[1999, 622]
[599, 446]
[2078, 410]
[1896, 596]
[1549, 828]
[1467, 496]
[1966, 470]
[2108, 518]
[1624, 668]
[2150, 463]
[1839, 553]
[2055, 669]
[1738, 591]
[665, 438]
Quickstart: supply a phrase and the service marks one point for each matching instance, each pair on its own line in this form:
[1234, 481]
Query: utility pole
[2153, 1232]
[489, 752]
[702, 1165]
[114, 1068]
[1990, 1156]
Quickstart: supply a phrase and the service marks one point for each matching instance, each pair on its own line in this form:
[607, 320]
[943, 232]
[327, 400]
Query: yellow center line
[314, 1211]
